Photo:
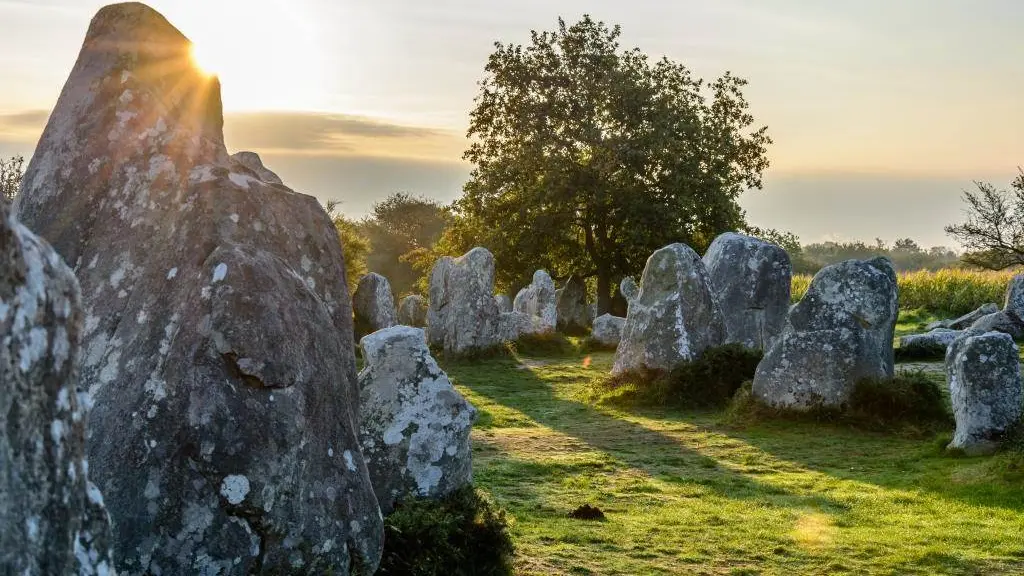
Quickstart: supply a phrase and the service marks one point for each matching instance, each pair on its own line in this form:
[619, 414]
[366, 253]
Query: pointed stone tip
[131, 20]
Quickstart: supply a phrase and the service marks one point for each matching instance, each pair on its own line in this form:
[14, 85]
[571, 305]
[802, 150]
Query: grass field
[949, 292]
[686, 493]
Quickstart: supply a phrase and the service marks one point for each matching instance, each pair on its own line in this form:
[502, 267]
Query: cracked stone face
[752, 280]
[217, 338]
[676, 316]
[839, 333]
[53, 517]
[415, 426]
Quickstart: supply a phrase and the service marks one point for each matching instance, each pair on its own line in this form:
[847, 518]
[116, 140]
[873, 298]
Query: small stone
[538, 300]
[983, 371]
[572, 310]
[373, 305]
[608, 330]
[412, 311]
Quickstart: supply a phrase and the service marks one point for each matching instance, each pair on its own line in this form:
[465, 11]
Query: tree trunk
[604, 289]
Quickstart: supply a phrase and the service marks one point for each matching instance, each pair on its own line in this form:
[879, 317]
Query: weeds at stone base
[464, 534]
[709, 381]
[910, 403]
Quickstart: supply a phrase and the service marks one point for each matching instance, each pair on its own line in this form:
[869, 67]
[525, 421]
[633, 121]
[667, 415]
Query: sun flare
[267, 54]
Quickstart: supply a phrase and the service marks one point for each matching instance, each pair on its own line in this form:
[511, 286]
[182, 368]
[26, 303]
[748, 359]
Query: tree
[399, 225]
[11, 172]
[355, 246]
[587, 157]
[993, 233]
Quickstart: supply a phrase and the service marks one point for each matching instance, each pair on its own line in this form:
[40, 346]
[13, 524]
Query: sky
[882, 112]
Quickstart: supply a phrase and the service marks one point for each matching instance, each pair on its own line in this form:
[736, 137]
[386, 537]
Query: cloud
[316, 134]
[22, 126]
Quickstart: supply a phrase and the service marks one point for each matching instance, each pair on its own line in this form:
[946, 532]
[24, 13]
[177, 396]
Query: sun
[267, 54]
[205, 60]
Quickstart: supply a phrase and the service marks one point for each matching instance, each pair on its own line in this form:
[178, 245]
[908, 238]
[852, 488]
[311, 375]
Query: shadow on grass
[512, 387]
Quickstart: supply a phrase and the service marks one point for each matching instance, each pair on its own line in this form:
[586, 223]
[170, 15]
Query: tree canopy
[588, 157]
[993, 233]
[11, 172]
[398, 226]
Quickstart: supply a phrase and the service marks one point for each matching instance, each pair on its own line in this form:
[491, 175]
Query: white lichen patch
[349, 462]
[234, 488]
[219, 272]
[172, 273]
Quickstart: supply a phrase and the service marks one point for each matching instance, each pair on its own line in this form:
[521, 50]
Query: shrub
[910, 402]
[551, 344]
[463, 534]
[709, 381]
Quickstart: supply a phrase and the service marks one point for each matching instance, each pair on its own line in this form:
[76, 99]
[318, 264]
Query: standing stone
[983, 371]
[629, 289]
[752, 279]
[608, 330]
[218, 327]
[1014, 304]
[675, 318]
[538, 300]
[571, 307]
[414, 425]
[412, 311]
[463, 316]
[839, 333]
[373, 305]
[439, 305]
[504, 303]
[52, 518]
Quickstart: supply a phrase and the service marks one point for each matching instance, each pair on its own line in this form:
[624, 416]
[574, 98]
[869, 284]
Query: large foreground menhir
[217, 339]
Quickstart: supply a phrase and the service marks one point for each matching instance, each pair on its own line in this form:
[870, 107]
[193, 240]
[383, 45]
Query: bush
[911, 402]
[709, 381]
[461, 535]
[552, 344]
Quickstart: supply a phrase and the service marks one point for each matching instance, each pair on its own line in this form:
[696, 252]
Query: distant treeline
[905, 254]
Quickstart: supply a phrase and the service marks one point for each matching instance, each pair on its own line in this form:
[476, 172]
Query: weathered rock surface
[1014, 303]
[218, 327]
[675, 318]
[412, 311]
[373, 305]
[983, 371]
[438, 300]
[839, 333]
[752, 280]
[414, 425]
[1000, 322]
[572, 312]
[504, 303]
[608, 330]
[463, 316]
[538, 299]
[253, 162]
[933, 343]
[629, 289]
[513, 325]
[964, 322]
[52, 517]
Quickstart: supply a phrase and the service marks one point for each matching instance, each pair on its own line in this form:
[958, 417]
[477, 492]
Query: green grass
[686, 493]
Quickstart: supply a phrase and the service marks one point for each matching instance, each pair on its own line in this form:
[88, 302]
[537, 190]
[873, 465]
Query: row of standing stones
[185, 399]
[208, 325]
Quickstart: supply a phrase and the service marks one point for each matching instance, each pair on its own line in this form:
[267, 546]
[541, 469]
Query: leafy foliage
[709, 381]
[11, 173]
[588, 157]
[355, 246]
[464, 534]
[993, 233]
[400, 228]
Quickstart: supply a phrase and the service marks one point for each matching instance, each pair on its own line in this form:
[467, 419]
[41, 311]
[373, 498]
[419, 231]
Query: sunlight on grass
[683, 493]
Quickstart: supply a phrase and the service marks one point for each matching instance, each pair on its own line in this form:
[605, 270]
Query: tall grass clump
[951, 291]
[709, 381]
